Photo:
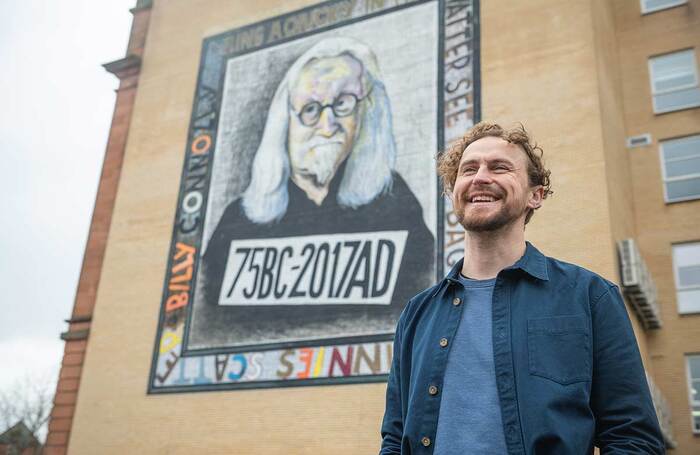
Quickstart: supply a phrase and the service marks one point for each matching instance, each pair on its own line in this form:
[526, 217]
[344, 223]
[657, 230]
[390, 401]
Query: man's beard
[320, 158]
[507, 214]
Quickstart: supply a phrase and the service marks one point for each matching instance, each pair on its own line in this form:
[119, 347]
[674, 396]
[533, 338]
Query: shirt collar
[532, 262]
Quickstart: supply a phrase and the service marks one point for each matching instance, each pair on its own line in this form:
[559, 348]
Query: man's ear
[536, 197]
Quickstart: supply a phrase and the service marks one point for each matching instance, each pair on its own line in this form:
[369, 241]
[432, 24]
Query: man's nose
[483, 175]
[327, 124]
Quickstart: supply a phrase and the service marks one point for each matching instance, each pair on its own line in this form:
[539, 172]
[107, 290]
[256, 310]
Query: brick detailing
[57, 439]
[76, 346]
[73, 359]
[60, 424]
[76, 338]
[60, 411]
[65, 398]
[68, 385]
[70, 373]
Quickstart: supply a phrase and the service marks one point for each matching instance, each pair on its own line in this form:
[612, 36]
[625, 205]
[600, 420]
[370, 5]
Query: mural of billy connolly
[327, 242]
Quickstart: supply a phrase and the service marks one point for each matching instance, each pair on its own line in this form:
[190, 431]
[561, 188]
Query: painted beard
[319, 158]
[475, 222]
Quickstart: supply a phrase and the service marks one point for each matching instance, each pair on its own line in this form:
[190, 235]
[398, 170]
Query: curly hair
[538, 175]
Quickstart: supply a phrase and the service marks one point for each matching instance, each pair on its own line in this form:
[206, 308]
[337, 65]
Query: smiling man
[513, 352]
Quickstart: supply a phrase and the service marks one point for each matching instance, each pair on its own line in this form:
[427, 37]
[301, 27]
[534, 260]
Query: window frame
[661, 8]
[665, 179]
[654, 92]
[675, 276]
[691, 401]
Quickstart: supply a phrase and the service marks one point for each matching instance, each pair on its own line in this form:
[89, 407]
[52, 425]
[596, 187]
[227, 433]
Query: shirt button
[433, 390]
[443, 342]
[425, 441]
[456, 301]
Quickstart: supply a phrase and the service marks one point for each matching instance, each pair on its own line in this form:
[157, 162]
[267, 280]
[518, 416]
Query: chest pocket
[559, 348]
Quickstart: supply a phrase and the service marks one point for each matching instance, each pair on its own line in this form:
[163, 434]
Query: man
[324, 167]
[513, 352]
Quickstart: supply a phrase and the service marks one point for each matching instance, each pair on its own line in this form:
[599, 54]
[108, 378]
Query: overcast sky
[56, 104]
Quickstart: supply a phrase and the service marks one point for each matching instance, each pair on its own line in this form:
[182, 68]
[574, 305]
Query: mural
[309, 211]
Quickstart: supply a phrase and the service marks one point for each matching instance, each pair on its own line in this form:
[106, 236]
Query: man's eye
[344, 105]
[469, 170]
[310, 109]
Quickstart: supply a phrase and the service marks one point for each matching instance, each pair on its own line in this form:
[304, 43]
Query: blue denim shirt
[568, 370]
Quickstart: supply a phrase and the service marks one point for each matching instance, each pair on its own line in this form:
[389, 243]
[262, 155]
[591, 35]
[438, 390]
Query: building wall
[555, 70]
[542, 72]
[659, 225]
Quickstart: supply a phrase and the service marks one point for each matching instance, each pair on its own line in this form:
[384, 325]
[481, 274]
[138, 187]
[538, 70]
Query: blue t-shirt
[470, 415]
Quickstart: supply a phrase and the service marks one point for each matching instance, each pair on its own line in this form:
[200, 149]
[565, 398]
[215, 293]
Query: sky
[56, 104]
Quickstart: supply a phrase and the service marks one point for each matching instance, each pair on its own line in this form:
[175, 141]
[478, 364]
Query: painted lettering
[373, 363]
[255, 367]
[169, 341]
[315, 269]
[345, 364]
[181, 274]
[182, 379]
[202, 377]
[240, 360]
[201, 144]
[305, 355]
[192, 202]
[220, 363]
[169, 366]
[289, 366]
[319, 361]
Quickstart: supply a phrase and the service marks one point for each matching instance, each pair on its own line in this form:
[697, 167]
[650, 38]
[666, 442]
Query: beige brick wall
[539, 68]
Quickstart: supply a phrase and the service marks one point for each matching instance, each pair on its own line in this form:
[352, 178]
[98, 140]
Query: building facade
[204, 322]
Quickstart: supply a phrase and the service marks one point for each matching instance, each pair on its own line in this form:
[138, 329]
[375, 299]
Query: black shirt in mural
[397, 209]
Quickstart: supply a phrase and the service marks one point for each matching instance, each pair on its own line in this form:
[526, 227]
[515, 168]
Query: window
[674, 81]
[686, 264]
[693, 368]
[680, 166]
[649, 6]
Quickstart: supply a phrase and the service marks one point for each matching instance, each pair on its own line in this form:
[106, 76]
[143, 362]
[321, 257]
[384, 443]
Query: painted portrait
[313, 232]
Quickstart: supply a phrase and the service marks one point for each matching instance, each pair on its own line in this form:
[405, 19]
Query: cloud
[57, 109]
[20, 359]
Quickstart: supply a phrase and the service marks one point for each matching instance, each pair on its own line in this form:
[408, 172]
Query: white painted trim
[661, 8]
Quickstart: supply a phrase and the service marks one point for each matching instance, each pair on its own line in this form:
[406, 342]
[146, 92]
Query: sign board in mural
[309, 209]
